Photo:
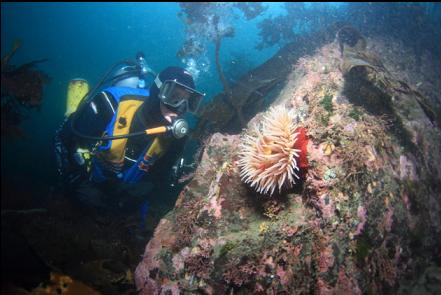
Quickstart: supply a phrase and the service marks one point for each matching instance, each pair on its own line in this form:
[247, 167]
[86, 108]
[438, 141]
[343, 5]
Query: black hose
[104, 80]
[104, 138]
[91, 94]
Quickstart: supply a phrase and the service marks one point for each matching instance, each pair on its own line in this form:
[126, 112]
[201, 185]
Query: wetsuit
[92, 121]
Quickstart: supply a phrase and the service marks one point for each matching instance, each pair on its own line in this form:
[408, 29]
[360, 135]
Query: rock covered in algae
[366, 219]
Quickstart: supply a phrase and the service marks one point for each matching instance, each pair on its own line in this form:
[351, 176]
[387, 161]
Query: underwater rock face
[366, 219]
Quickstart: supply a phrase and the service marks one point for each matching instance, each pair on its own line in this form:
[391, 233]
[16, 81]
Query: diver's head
[126, 76]
[175, 88]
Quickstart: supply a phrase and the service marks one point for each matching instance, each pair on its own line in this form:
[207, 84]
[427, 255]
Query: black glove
[71, 165]
[179, 170]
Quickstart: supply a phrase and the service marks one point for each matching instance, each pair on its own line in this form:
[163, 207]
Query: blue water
[84, 40]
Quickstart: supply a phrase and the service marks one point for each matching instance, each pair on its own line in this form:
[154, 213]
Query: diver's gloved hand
[78, 166]
[179, 170]
[174, 176]
[73, 172]
[71, 164]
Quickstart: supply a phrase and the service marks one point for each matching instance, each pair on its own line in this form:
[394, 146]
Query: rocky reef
[366, 219]
[364, 215]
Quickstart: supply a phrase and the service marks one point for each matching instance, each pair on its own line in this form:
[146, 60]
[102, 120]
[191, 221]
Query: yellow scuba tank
[76, 91]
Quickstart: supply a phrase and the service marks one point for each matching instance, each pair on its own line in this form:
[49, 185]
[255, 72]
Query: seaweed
[326, 103]
[363, 248]
[355, 114]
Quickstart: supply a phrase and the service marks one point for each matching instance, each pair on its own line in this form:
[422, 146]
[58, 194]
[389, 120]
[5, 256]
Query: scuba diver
[120, 131]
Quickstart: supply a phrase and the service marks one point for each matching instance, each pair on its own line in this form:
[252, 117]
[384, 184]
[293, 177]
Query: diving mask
[178, 96]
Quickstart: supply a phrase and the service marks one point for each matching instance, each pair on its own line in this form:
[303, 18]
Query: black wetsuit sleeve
[94, 117]
[91, 119]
